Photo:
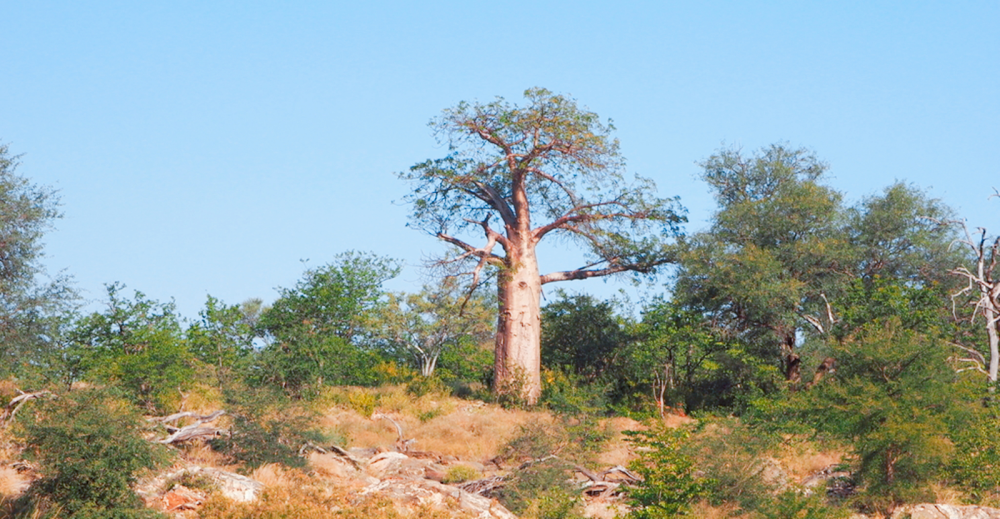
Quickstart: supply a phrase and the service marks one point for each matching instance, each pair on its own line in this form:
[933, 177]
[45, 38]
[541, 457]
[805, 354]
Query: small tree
[581, 335]
[137, 345]
[90, 448]
[223, 336]
[33, 310]
[323, 331]
[519, 175]
[439, 317]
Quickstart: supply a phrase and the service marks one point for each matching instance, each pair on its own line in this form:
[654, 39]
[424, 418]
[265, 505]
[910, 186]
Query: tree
[224, 335]
[518, 175]
[32, 309]
[323, 329]
[439, 317]
[137, 345]
[775, 254]
[338, 299]
[581, 335]
[983, 289]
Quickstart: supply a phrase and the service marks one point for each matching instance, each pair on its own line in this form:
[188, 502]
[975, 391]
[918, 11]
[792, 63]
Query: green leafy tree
[775, 253]
[324, 330]
[224, 335]
[90, 449]
[581, 335]
[437, 318]
[670, 483]
[137, 345]
[902, 235]
[519, 174]
[675, 357]
[895, 395]
[33, 308]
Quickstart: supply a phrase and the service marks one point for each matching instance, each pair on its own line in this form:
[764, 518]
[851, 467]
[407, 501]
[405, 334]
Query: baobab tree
[517, 175]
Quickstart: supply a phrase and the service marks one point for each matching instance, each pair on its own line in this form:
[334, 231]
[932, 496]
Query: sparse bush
[669, 486]
[90, 451]
[542, 490]
[460, 474]
[267, 428]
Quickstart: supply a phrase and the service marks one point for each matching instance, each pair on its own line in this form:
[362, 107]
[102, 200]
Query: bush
[542, 490]
[90, 451]
[669, 485]
[267, 428]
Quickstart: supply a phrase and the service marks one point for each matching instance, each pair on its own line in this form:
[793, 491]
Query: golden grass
[618, 450]
[801, 459]
[12, 484]
[442, 424]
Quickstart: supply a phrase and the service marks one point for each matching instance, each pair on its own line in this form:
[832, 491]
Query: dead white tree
[984, 289]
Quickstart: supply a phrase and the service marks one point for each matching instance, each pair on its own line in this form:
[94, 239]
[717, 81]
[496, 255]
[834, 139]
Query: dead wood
[15, 404]
[195, 431]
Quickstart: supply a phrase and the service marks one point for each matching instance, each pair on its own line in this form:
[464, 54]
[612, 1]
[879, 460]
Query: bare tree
[518, 175]
[984, 288]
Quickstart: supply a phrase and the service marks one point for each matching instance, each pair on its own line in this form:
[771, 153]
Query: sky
[222, 147]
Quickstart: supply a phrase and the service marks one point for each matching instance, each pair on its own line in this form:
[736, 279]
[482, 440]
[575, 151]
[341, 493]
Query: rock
[929, 511]
[234, 486]
[182, 498]
[412, 496]
[231, 485]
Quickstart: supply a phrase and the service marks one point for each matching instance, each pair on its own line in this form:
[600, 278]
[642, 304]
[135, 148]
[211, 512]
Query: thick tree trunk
[517, 365]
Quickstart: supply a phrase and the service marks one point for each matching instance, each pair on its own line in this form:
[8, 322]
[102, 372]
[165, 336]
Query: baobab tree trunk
[518, 361]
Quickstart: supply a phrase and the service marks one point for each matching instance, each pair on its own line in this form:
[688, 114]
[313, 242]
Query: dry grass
[801, 459]
[442, 424]
[618, 451]
[705, 510]
[12, 484]
[292, 493]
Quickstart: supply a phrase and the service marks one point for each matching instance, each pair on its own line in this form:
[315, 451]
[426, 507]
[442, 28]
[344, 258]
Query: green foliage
[460, 474]
[223, 336]
[323, 330]
[444, 317]
[793, 504]
[675, 359]
[542, 490]
[34, 311]
[776, 247]
[976, 465]
[301, 365]
[669, 482]
[90, 449]
[566, 393]
[580, 335]
[894, 399]
[267, 428]
[734, 457]
[137, 345]
[900, 235]
[340, 299]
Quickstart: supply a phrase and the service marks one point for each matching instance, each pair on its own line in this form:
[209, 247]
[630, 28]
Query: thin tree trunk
[517, 365]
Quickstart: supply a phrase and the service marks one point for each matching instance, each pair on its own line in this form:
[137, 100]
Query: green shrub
[267, 428]
[542, 490]
[669, 485]
[460, 474]
[792, 504]
[90, 450]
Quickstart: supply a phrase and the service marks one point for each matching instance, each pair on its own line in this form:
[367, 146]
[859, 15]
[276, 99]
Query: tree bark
[517, 365]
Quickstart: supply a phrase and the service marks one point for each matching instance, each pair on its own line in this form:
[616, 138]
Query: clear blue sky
[208, 147]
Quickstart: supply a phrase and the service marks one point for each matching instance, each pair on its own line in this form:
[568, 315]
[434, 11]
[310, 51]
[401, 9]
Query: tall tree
[775, 252]
[519, 174]
[33, 309]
